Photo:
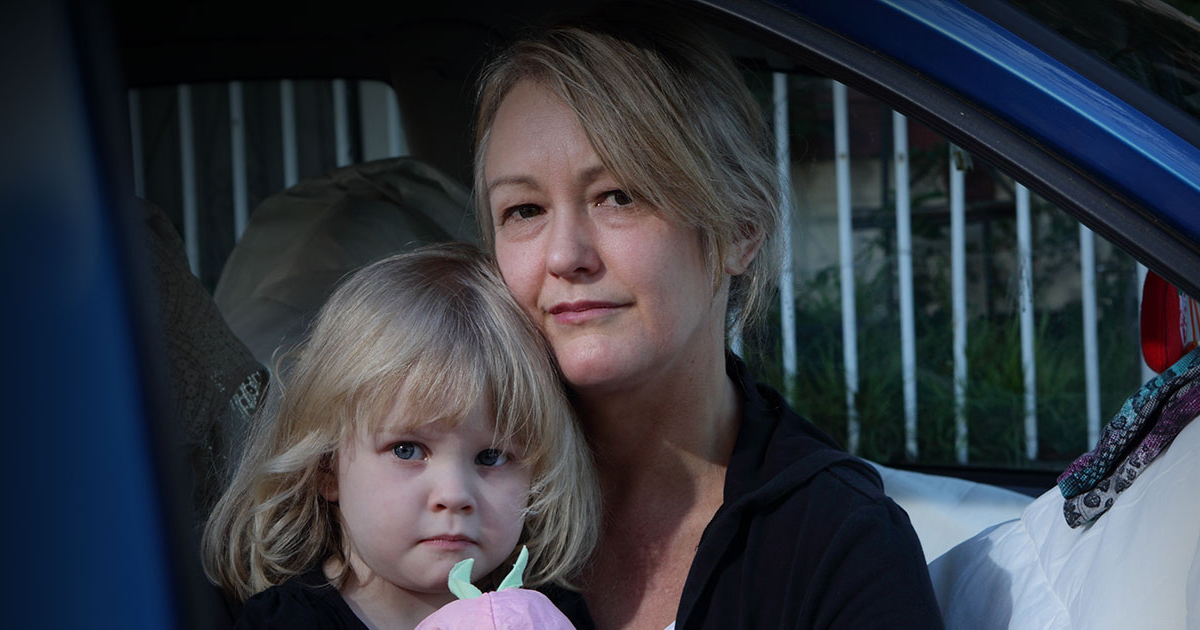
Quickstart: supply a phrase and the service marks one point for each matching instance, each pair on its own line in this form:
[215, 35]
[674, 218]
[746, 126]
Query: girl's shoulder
[304, 602]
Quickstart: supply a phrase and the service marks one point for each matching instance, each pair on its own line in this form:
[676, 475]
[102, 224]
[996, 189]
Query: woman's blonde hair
[438, 326]
[668, 114]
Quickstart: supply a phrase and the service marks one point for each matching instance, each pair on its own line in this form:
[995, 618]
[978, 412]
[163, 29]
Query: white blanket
[1137, 566]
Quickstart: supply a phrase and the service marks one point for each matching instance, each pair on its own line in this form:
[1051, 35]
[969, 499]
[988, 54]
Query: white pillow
[1137, 566]
[946, 511]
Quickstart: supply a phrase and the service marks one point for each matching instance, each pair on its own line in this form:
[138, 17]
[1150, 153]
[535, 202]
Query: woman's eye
[617, 198]
[408, 450]
[522, 212]
[491, 457]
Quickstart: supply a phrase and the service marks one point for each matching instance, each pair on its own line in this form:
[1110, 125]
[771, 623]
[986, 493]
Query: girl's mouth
[451, 542]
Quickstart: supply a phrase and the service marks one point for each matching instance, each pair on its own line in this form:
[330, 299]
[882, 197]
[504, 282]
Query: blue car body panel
[1138, 158]
[84, 531]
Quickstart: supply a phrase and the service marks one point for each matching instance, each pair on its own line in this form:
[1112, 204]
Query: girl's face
[620, 292]
[413, 503]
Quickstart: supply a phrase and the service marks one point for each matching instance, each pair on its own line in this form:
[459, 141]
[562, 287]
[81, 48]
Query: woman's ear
[741, 254]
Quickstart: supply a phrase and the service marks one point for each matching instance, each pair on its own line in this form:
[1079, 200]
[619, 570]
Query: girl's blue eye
[408, 450]
[491, 457]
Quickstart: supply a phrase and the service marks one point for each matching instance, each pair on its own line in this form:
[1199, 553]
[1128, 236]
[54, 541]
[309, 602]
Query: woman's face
[622, 294]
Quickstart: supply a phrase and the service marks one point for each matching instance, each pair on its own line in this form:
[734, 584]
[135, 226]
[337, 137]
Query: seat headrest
[1170, 323]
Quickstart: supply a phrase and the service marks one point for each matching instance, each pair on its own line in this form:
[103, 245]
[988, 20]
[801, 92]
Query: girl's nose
[452, 491]
[571, 251]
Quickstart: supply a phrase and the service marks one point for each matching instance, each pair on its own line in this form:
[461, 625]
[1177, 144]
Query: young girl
[420, 424]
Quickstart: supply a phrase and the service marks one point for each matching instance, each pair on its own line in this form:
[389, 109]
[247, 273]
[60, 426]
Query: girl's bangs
[442, 386]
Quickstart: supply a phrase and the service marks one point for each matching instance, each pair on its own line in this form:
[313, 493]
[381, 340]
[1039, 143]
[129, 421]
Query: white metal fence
[959, 331]
[380, 135]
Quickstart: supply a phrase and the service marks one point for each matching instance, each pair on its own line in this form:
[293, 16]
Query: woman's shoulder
[304, 602]
[777, 448]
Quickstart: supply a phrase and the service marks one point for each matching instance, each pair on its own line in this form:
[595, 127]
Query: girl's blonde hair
[438, 325]
[668, 114]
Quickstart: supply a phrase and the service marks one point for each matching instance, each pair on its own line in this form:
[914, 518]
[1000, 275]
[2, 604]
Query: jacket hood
[776, 450]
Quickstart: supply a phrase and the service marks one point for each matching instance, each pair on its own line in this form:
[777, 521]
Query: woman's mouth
[582, 311]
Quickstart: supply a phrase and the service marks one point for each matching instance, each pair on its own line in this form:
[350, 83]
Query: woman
[624, 183]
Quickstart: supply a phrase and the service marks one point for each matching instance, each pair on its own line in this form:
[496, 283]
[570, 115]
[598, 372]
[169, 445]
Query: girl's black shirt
[305, 602]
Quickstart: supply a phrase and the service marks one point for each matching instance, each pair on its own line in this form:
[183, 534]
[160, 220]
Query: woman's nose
[452, 491]
[571, 251]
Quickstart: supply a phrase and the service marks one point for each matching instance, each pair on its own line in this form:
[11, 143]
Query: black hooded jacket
[805, 538]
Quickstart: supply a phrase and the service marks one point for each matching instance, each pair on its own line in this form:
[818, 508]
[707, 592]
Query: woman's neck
[670, 430]
[661, 454]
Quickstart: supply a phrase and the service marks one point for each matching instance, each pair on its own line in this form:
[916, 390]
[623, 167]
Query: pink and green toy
[509, 607]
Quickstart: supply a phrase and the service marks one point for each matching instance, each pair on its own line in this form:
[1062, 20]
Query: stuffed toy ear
[460, 576]
[516, 577]
[460, 580]
[1170, 323]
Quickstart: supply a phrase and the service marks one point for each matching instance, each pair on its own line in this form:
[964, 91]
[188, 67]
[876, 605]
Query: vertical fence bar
[908, 335]
[958, 290]
[135, 139]
[1025, 299]
[841, 136]
[187, 167]
[237, 160]
[1146, 371]
[397, 142]
[341, 123]
[735, 340]
[376, 121]
[287, 117]
[1091, 353]
[787, 299]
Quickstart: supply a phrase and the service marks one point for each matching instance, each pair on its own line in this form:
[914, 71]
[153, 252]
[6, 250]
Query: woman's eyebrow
[586, 176]
[512, 180]
[592, 173]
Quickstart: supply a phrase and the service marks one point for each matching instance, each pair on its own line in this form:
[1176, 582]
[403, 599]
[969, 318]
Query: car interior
[260, 153]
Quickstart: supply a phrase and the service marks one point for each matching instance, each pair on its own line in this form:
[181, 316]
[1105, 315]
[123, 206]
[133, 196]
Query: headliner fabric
[301, 242]
[1137, 567]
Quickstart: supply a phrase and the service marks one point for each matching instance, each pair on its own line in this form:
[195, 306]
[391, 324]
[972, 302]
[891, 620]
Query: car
[995, 97]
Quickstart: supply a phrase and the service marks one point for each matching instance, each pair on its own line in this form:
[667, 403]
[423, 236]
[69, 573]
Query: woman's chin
[590, 377]
[596, 369]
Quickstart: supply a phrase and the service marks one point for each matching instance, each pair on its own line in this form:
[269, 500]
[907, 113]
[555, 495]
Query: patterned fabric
[1128, 427]
[1182, 408]
[213, 384]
